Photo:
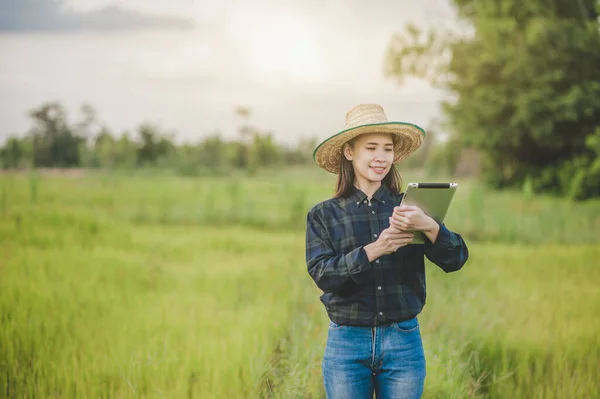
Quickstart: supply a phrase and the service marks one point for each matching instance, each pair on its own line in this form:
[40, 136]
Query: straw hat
[368, 118]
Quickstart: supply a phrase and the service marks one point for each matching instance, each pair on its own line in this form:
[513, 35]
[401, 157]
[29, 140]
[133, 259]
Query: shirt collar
[382, 195]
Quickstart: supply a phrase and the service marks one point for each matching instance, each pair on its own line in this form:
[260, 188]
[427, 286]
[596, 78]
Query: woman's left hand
[411, 218]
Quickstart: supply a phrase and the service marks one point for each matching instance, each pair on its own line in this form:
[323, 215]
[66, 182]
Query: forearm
[449, 251]
[330, 273]
[432, 232]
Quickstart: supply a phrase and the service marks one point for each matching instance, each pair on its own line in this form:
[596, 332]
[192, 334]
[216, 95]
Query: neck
[366, 186]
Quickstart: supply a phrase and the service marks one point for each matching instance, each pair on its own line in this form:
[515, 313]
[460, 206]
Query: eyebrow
[373, 143]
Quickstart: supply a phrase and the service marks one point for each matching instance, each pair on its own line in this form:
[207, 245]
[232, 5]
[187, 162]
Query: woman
[357, 253]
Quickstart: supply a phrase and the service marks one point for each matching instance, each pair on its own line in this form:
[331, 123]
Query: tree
[153, 146]
[524, 84]
[301, 153]
[105, 149]
[16, 153]
[264, 151]
[212, 153]
[54, 143]
[125, 155]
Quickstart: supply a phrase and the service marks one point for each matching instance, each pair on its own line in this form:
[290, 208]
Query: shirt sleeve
[449, 251]
[332, 271]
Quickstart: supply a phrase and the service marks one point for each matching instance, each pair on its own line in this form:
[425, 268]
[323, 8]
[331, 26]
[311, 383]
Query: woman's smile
[378, 169]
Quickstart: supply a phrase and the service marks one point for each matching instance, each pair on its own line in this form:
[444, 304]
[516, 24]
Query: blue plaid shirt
[389, 289]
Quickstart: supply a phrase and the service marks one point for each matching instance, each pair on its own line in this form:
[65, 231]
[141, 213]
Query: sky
[186, 65]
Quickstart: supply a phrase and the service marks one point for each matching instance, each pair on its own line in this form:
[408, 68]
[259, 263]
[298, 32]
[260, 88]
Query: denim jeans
[386, 360]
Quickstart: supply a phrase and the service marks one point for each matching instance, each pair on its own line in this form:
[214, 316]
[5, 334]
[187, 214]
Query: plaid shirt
[389, 289]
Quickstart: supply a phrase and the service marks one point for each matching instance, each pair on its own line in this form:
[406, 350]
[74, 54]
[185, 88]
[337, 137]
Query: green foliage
[264, 151]
[525, 85]
[212, 155]
[153, 146]
[443, 157]
[301, 153]
[111, 152]
[584, 179]
[16, 153]
[52, 142]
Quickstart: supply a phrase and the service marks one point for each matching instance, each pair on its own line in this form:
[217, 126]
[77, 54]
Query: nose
[379, 157]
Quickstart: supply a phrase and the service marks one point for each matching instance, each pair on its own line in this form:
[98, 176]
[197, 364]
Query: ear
[348, 153]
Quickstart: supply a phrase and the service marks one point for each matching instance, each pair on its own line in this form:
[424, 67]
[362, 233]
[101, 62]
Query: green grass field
[155, 286]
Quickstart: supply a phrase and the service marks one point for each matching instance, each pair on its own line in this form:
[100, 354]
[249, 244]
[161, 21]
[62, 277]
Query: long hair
[345, 181]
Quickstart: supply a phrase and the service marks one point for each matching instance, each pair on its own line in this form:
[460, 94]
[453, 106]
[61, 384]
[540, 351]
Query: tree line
[53, 142]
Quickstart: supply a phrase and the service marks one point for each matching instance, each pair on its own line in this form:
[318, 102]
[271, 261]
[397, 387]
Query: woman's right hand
[388, 242]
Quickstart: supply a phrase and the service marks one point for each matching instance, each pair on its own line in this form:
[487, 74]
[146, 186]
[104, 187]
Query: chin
[375, 177]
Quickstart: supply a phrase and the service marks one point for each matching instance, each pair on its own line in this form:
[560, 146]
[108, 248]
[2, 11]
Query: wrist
[433, 231]
[373, 251]
[433, 227]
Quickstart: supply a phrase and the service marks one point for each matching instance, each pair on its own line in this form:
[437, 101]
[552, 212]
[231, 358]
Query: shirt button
[373, 212]
[380, 313]
[375, 235]
[377, 261]
[365, 201]
[379, 288]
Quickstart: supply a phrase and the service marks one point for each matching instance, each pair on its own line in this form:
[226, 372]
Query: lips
[378, 169]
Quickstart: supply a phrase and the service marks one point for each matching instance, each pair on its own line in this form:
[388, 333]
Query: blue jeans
[386, 360]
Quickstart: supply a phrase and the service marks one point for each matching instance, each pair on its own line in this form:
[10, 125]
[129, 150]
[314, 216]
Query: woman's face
[372, 156]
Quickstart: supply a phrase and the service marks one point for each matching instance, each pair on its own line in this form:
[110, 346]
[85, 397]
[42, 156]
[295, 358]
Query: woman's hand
[388, 242]
[412, 218]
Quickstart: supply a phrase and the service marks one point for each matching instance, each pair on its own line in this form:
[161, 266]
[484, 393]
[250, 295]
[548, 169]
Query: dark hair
[345, 182]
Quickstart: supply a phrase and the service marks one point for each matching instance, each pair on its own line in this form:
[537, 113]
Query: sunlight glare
[287, 51]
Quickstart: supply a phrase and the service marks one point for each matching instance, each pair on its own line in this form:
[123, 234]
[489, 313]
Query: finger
[395, 222]
[404, 213]
[409, 210]
[396, 227]
[402, 243]
[395, 233]
[404, 240]
[402, 236]
[400, 218]
[398, 215]
[401, 225]
[402, 221]
[394, 230]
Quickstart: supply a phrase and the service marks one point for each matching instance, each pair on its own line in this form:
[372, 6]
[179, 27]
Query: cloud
[50, 15]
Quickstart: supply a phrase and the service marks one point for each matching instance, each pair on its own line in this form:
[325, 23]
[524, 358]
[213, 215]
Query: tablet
[433, 198]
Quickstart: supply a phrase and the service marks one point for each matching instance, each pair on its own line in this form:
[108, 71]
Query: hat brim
[408, 137]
